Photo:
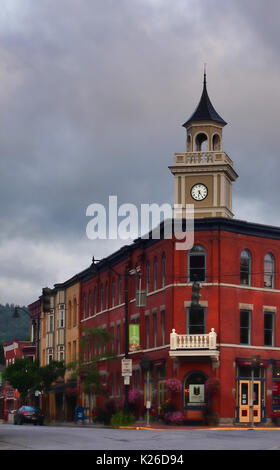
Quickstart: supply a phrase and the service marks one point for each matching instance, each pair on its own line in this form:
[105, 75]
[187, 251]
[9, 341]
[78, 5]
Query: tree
[49, 374]
[86, 367]
[22, 375]
[25, 375]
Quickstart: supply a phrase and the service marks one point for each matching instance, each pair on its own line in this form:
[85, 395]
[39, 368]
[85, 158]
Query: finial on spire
[205, 73]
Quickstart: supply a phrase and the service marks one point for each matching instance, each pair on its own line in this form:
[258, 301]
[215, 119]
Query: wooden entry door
[245, 394]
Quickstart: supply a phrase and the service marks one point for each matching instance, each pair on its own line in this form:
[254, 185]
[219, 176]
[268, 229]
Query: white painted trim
[10, 347]
[249, 346]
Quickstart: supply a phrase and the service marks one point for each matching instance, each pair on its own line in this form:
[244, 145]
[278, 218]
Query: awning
[246, 361]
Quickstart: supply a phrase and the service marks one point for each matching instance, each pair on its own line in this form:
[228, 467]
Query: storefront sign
[134, 337]
[196, 393]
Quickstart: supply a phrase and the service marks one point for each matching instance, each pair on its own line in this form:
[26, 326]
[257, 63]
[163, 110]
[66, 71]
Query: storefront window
[245, 372]
[276, 387]
[194, 390]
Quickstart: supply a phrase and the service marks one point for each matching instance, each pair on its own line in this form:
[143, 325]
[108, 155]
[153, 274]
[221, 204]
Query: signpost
[126, 367]
[255, 362]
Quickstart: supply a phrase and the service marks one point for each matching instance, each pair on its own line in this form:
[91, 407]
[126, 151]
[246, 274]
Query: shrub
[174, 417]
[121, 419]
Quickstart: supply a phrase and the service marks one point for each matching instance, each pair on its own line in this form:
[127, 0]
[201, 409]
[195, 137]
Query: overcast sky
[93, 95]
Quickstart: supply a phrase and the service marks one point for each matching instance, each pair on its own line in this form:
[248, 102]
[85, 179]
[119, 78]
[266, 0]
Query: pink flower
[133, 395]
[174, 385]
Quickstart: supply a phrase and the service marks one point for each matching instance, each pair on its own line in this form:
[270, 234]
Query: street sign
[126, 367]
[126, 380]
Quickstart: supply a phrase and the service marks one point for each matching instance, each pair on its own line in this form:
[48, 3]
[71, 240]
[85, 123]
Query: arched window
[216, 142]
[197, 264]
[269, 270]
[155, 273]
[201, 143]
[194, 389]
[245, 268]
[163, 266]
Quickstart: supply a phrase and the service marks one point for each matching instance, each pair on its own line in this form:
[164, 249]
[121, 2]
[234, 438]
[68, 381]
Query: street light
[255, 363]
[16, 313]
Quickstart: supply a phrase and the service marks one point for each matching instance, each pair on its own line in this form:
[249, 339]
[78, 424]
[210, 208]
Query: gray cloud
[92, 98]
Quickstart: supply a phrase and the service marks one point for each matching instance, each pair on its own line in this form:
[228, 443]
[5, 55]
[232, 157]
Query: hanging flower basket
[212, 386]
[134, 396]
[174, 385]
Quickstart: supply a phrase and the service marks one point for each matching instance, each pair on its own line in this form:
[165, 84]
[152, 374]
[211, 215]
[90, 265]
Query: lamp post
[255, 362]
[128, 272]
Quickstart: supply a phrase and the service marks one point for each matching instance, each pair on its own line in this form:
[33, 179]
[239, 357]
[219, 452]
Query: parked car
[28, 414]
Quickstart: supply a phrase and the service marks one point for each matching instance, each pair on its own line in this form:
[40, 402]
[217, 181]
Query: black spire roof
[205, 110]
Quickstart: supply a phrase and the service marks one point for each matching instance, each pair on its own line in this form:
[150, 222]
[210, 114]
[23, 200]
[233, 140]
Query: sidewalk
[158, 426]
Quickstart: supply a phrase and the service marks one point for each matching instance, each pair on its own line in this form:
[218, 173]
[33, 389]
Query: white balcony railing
[202, 158]
[185, 342]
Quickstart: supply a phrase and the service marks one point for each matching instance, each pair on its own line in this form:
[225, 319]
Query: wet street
[28, 437]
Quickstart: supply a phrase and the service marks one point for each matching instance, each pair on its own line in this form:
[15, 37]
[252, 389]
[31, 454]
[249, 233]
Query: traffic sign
[126, 367]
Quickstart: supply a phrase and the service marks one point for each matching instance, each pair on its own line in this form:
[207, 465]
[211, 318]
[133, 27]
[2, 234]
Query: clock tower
[204, 173]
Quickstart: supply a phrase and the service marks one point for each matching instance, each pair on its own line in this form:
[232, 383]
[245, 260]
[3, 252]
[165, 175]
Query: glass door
[245, 394]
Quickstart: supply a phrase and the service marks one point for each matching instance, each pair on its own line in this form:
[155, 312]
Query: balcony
[194, 345]
[202, 158]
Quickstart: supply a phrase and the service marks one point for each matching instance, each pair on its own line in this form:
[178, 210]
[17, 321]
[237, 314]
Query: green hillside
[10, 327]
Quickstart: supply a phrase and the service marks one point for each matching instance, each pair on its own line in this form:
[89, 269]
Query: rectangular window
[89, 304]
[147, 328]
[118, 339]
[101, 298]
[118, 385]
[197, 265]
[112, 339]
[162, 314]
[84, 306]
[196, 321]
[95, 301]
[61, 319]
[268, 329]
[155, 328]
[113, 293]
[147, 276]
[245, 327]
[120, 289]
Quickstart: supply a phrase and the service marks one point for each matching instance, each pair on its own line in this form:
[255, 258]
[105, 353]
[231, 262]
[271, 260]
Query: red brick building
[12, 351]
[236, 264]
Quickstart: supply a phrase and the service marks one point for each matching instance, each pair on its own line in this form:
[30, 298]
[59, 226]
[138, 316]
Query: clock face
[199, 192]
